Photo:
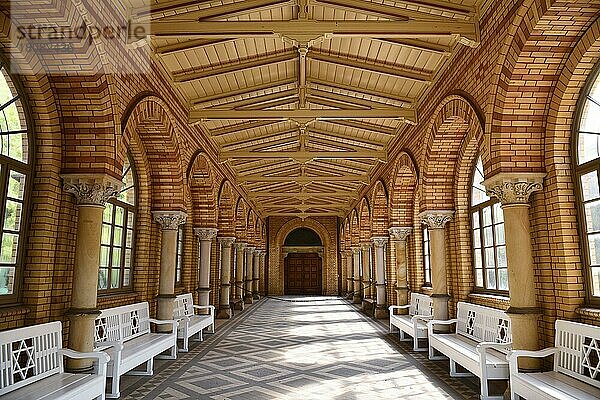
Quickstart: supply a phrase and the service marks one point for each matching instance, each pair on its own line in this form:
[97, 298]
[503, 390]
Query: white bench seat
[65, 386]
[483, 337]
[574, 375]
[32, 366]
[420, 310]
[124, 333]
[191, 323]
[554, 385]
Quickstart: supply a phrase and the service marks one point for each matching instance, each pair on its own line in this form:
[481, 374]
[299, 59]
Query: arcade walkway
[309, 348]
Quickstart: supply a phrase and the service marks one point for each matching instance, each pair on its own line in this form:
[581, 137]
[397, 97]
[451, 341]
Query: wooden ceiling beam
[348, 100]
[308, 214]
[376, 67]
[256, 100]
[249, 141]
[418, 44]
[234, 66]
[365, 126]
[444, 5]
[207, 13]
[345, 137]
[193, 44]
[303, 179]
[361, 91]
[333, 104]
[303, 195]
[274, 103]
[468, 31]
[239, 127]
[303, 155]
[408, 115]
[243, 91]
[381, 10]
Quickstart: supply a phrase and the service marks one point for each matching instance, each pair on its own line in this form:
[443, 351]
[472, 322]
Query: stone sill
[589, 312]
[117, 296]
[490, 298]
[13, 310]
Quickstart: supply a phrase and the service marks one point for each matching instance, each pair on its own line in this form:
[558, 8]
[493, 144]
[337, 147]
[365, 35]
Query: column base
[256, 296]
[367, 306]
[248, 299]
[381, 312]
[225, 312]
[356, 299]
[238, 304]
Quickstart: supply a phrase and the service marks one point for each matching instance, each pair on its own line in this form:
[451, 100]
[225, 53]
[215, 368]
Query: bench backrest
[29, 354]
[122, 323]
[578, 351]
[183, 306]
[483, 324]
[420, 304]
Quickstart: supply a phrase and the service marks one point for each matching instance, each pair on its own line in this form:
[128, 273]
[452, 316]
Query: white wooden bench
[576, 371]
[32, 366]
[482, 339]
[191, 323]
[124, 333]
[420, 310]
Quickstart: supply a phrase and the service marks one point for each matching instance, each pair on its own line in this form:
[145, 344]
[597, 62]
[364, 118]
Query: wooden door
[303, 274]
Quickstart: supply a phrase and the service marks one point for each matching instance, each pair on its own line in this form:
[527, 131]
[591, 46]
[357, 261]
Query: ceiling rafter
[303, 155]
[304, 195]
[394, 71]
[418, 44]
[443, 5]
[254, 139]
[270, 169]
[346, 168]
[192, 44]
[364, 126]
[233, 66]
[333, 104]
[256, 100]
[242, 126]
[241, 92]
[348, 100]
[361, 91]
[381, 10]
[346, 137]
[303, 179]
[271, 104]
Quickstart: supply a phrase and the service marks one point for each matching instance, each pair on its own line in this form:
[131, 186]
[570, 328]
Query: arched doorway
[303, 262]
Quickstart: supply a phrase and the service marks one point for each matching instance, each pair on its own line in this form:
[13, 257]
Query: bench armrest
[424, 318]
[483, 347]
[435, 322]
[211, 309]
[102, 358]
[108, 343]
[514, 355]
[392, 308]
[173, 322]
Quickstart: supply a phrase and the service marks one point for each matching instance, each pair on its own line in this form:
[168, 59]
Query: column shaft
[239, 275]
[205, 237]
[350, 269]
[224, 306]
[380, 308]
[366, 273]
[248, 298]
[256, 275]
[356, 297]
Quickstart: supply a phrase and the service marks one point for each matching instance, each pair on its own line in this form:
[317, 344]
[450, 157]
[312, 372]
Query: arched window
[15, 181]
[118, 235]
[587, 167]
[426, 258]
[489, 248]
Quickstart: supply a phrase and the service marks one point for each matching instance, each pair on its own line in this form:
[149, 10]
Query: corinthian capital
[250, 249]
[169, 220]
[379, 241]
[206, 233]
[226, 240]
[355, 250]
[92, 189]
[513, 188]
[400, 233]
[239, 245]
[436, 219]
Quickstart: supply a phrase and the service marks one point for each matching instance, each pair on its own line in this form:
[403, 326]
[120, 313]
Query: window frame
[478, 208]
[426, 256]
[577, 172]
[27, 169]
[129, 209]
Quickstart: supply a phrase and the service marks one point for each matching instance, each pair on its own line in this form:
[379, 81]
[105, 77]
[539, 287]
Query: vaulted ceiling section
[303, 97]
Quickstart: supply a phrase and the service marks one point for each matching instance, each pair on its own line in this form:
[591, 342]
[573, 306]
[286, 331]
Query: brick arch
[330, 269]
[404, 181]
[226, 211]
[534, 54]
[354, 228]
[364, 220]
[241, 220]
[201, 183]
[454, 119]
[380, 217]
[151, 121]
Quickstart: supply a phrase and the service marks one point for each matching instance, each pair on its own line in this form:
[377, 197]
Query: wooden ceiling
[303, 97]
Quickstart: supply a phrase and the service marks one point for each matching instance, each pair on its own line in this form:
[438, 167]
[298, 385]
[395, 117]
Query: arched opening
[303, 262]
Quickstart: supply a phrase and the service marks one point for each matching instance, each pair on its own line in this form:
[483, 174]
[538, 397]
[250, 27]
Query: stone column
[224, 306]
[436, 222]
[261, 276]
[366, 276]
[350, 272]
[169, 222]
[256, 274]
[400, 234]
[205, 236]
[513, 191]
[379, 243]
[356, 297]
[91, 191]
[239, 275]
[248, 298]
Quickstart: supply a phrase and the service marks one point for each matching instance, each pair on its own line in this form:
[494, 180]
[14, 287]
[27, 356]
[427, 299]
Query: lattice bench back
[578, 351]
[29, 354]
[483, 324]
[183, 306]
[420, 304]
[122, 323]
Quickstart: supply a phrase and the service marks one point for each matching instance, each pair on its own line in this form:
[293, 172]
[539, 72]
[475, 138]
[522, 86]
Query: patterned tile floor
[300, 348]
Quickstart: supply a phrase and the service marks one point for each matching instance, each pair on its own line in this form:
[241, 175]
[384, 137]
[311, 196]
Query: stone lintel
[514, 188]
[92, 189]
[169, 220]
[436, 219]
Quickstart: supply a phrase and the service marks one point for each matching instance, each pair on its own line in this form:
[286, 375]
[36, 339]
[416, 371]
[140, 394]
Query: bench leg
[200, 338]
[212, 328]
[114, 387]
[416, 346]
[455, 374]
[185, 347]
[148, 372]
[432, 355]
